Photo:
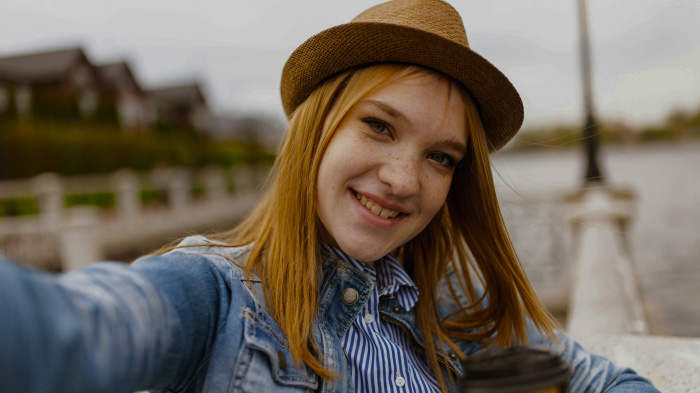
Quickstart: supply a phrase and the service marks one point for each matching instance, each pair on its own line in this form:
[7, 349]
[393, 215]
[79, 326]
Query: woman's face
[388, 168]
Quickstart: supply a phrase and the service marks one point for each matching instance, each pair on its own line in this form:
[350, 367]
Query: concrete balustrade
[606, 312]
[605, 297]
[84, 235]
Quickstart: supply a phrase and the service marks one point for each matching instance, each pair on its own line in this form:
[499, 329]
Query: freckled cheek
[347, 155]
[436, 193]
[360, 150]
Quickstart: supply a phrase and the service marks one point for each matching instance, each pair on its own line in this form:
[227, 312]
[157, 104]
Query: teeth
[376, 208]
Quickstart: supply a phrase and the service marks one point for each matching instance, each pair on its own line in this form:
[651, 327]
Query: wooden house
[121, 93]
[57, 84]
[182, 106]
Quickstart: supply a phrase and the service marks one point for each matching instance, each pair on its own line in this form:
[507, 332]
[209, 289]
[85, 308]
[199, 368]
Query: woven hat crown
[432, 16]
[426, 33]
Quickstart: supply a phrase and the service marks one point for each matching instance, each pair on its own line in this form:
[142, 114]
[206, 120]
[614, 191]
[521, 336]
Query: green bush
[102, 200]
[23, 206]
[73, 148]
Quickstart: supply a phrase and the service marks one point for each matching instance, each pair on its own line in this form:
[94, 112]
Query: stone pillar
[48, 189]
[179, 189]
[214, 183]
[126, 184]
[79, 238]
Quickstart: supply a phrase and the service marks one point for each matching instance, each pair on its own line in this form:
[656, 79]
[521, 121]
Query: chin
[364, 254]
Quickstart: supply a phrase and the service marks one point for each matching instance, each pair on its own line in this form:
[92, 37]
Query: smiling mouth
[375, 207]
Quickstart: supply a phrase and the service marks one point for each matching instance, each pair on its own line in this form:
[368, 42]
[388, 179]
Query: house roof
[40, 66]
[178, 95]
[112, 74]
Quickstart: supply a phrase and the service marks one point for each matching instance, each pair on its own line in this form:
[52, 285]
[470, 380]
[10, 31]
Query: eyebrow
[457, 146]
[390, 110]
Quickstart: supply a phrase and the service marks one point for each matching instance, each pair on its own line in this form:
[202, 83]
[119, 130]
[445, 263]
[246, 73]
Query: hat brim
[362, 43]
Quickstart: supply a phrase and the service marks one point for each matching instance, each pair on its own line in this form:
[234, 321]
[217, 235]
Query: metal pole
[4, 161]
[590, 132]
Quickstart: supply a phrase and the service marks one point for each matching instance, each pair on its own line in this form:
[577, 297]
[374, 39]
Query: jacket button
[282, 360]
[452, 356]
[395, 310]
[350, 296]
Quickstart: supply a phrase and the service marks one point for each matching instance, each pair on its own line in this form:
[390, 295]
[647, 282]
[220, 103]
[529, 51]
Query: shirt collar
[388, 275]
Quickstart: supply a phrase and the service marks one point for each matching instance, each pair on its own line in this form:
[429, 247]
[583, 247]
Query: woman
[356, 272]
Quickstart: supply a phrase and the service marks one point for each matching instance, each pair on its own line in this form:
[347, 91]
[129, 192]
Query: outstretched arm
[108, 327]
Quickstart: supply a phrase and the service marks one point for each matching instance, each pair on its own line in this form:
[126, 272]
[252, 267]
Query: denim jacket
[189, 321]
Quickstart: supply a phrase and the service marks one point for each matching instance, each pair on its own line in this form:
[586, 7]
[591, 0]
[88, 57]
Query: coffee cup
[515, 370]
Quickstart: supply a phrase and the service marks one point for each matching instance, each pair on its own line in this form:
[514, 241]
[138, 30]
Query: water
[665, 232]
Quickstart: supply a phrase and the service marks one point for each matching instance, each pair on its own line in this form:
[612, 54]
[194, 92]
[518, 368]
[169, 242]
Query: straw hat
[428, 33]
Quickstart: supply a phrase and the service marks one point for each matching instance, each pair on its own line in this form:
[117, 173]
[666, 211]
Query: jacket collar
[338, 277]
[388, 275]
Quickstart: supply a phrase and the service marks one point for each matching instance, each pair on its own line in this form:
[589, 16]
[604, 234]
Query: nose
[401, 174]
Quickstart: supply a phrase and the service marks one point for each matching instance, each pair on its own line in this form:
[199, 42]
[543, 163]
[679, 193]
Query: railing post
[127, 193]
[48, 189]
[79, 240]
[215, 184]
[179, 189]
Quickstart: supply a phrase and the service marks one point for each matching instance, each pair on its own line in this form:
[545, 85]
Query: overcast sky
[646, 52]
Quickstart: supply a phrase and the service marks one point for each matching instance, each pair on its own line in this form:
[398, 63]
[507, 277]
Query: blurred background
[141, 110]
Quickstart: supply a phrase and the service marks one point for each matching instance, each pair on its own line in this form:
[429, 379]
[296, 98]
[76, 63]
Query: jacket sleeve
[108, 327]
[592, 373]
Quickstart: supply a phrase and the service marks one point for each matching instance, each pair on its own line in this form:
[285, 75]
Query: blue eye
[378, 126]
[442, 159]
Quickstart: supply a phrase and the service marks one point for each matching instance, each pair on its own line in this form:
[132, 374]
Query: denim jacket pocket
[265, 363]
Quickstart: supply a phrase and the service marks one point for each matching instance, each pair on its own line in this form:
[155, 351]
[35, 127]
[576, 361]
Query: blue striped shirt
[380, 353]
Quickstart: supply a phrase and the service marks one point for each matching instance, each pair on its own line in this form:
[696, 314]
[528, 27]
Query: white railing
[79, 235]
[605, 297]
[606, 312]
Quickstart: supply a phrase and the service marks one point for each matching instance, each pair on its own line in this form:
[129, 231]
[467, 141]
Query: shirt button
[350, 296]
[369, 318]
[400, 381]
